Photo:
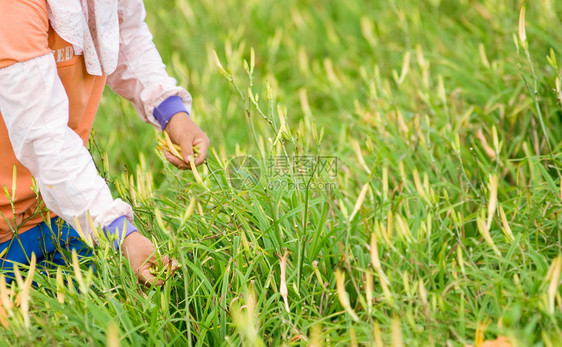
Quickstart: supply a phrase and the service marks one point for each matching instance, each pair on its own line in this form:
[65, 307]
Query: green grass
[398, 91]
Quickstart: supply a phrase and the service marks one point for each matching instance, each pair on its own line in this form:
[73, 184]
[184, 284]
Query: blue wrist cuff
[118, 230]
[167, 109]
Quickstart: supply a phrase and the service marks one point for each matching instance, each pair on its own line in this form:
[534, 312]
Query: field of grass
[410, 188]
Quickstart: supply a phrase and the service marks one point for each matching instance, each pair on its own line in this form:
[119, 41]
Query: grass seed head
[196, 173]
[522, 31]
[342, 295]
[505, 226]
[14, 181]
[359, 155]
[369, 291]
[460, 259]
[317, 273]
[78, 229]
[485, 232]
[78, 272]
[553, 278]
[403, 229]
[112, 335]
[419, 188]
[25, 292]
[316, 335]
[377, 338]
[283, 281]
[489, 151]
[60, 285]
[5, 294]
[396, 333]
[493, 200]
[385, 183]
[483, 57]
[360, 200]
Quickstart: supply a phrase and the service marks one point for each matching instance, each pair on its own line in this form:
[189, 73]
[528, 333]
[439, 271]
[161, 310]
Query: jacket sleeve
[35, 110]
[140, 76]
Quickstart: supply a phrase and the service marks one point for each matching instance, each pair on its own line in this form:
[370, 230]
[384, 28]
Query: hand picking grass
[165, 144]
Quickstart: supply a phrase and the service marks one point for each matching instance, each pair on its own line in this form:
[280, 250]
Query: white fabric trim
[92, 27]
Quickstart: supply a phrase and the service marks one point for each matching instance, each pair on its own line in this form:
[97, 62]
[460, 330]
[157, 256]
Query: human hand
[142, 256]
[184, 132]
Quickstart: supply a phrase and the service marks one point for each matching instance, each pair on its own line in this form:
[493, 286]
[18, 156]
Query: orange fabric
[24, 29]
[25, 35]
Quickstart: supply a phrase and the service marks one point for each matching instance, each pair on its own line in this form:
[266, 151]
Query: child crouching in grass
[55, 58]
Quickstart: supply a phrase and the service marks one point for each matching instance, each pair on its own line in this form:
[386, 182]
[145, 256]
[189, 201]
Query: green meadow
[404, 186]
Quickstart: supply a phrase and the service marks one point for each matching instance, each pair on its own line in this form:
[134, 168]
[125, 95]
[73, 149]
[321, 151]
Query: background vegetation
[442, 226]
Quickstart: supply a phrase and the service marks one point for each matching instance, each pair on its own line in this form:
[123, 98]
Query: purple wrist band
[119, 229]
[167, 109]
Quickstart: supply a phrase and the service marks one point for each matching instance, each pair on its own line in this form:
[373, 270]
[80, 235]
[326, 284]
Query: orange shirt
[26, 35]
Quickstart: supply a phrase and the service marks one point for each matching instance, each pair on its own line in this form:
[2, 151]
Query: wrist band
[167, 109]
[118, 230]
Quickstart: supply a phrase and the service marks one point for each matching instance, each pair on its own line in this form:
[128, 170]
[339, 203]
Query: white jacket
[34, 106]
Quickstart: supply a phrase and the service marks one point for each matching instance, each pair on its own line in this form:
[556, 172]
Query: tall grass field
[381, 173]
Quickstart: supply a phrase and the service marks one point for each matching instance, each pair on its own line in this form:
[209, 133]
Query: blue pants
[52, 246]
